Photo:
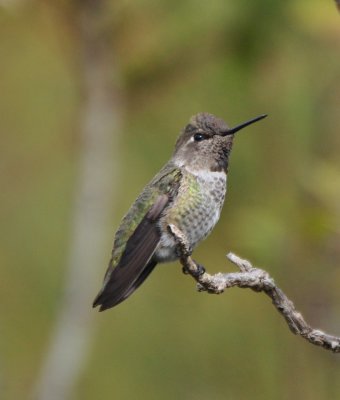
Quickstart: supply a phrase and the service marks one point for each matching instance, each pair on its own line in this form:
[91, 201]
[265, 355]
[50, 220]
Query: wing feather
[137, 239]
[120, 282]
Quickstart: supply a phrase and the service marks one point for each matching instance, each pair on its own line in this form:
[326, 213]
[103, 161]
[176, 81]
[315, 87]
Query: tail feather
[111, 296]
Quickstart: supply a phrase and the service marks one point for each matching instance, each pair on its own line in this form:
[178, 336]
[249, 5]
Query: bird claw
[200, 270]
[185, 271]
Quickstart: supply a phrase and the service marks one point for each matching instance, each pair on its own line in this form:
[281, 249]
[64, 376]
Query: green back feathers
[165, 182]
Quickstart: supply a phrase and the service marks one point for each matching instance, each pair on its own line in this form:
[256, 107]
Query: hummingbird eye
[198, 137]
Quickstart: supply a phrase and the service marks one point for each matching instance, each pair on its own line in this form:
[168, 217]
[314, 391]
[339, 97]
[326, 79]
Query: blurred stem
[99, 130]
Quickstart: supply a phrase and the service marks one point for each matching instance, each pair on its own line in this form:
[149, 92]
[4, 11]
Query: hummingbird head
[205, 143]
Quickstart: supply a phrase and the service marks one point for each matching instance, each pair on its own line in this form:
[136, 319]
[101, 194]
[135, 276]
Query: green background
[236, 59]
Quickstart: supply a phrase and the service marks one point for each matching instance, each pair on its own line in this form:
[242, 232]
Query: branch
[257, 280]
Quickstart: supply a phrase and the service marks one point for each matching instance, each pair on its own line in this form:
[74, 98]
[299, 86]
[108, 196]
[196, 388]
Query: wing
[131, 260]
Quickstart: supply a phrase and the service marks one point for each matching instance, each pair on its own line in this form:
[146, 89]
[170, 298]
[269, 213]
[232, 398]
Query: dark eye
[198, 137]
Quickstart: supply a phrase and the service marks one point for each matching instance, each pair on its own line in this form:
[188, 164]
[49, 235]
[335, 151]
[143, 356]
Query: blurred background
[93, 96]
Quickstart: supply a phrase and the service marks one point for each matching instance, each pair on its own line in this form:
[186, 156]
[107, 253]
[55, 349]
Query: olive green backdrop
[235, 59]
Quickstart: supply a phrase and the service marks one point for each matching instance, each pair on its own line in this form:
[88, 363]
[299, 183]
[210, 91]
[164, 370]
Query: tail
[115, 292]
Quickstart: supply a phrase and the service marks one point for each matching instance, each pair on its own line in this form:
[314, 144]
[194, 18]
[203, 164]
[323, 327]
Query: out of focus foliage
[235, 59]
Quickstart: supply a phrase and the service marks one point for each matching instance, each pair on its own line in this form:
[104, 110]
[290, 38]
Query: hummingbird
[188, 192]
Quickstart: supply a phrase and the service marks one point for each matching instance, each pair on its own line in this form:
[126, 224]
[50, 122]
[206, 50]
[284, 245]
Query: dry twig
[257, 280]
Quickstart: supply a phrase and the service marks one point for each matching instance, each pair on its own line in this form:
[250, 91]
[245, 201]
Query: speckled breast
[195, 211]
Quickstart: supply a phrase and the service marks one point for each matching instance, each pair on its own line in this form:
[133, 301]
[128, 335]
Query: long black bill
[243, 125]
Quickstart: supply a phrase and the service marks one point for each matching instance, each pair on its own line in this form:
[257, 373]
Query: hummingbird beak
[243, 125]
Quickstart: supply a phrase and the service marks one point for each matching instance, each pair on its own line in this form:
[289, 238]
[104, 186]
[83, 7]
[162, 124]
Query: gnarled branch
[257, 280]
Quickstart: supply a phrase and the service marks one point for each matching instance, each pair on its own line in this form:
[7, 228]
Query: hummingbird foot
[183, 250]
[200, 270]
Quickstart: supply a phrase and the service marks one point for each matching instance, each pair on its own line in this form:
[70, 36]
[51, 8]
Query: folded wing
[136, 261]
